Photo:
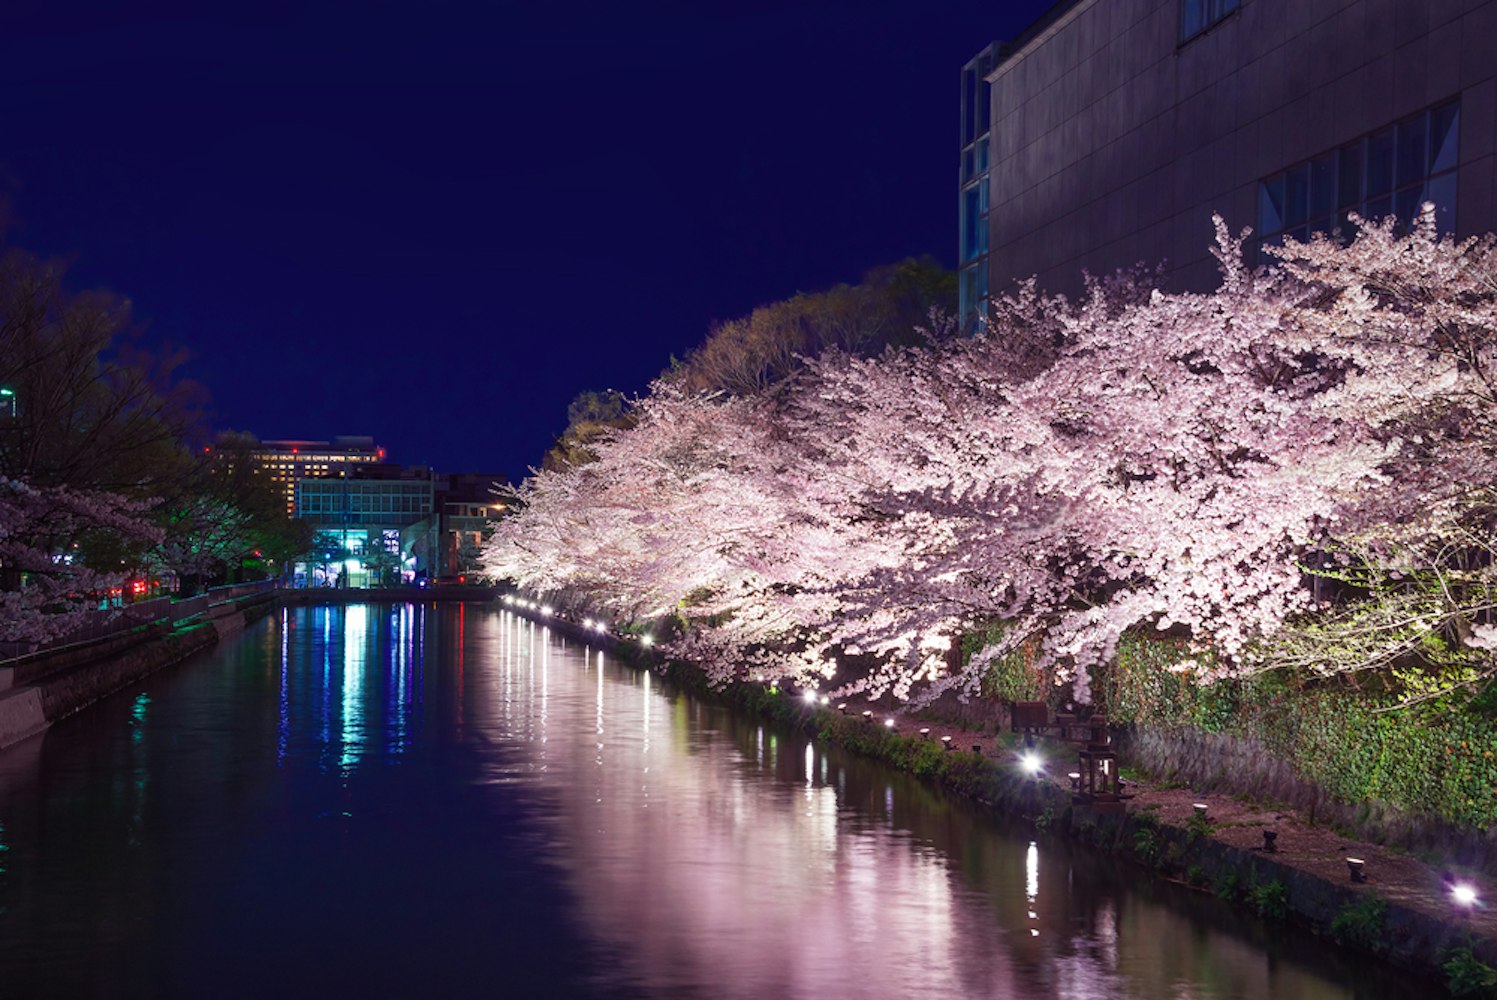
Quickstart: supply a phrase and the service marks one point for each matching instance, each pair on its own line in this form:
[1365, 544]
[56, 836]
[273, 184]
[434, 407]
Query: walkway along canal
[402, 800]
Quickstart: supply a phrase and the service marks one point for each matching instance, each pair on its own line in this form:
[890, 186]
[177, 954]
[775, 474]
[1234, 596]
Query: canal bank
[1357, 894]
[40, 688]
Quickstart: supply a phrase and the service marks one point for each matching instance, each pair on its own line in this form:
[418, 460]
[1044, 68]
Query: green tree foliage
[94, 409]
[589, 417]
[887, 308]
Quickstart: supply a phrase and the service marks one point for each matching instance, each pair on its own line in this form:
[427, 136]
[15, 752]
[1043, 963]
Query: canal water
[419, 801]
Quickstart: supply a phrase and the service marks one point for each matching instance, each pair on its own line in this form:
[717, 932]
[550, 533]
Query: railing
[101, 625]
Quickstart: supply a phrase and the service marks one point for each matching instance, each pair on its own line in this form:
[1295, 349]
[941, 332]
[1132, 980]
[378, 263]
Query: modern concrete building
[1115, 128]
[374, 528]
[289, 462]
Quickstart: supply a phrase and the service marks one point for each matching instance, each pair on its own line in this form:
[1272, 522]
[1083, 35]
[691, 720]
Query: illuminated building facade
[375, 528]
[289, 462]
[1110, 131]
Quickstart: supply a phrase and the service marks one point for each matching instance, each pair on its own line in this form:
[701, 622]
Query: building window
[975, 221]
[1198, 15]
[1393, 171]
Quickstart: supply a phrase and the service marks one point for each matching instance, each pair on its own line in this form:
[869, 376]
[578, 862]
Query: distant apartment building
[289, 462]
[377, 523]
[1110, 131]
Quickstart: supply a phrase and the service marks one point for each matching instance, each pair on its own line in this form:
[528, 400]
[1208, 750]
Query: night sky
[436, 223]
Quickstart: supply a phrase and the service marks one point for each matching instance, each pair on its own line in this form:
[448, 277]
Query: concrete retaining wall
[1213, 762]
[73, 679]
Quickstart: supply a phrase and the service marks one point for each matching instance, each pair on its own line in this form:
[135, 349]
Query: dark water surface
[416, 801]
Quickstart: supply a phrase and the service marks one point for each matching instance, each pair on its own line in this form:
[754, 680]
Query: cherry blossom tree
[1134, 459]
[45, 536]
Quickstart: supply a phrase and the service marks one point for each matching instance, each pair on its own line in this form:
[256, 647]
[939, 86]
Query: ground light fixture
[1031, 763]
[647, 640]
[889, 724]
[1354, 868]
[1464, 895]
[809, 697]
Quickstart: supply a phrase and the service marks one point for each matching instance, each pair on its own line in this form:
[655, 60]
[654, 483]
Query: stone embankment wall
[39, 690]
[1213, 762]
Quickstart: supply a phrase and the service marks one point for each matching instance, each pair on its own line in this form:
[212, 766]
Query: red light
[462, 579]
[382, 453]
[296, 451]
[257, 553]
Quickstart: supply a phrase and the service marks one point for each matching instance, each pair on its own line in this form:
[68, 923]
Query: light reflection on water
[690, 856]
[485, 808]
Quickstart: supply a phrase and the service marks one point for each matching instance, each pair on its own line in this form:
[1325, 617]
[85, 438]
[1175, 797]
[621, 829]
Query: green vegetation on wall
[1438, 758]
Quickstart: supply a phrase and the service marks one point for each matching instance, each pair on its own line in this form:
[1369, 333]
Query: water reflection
[695, 861]
[408, 800]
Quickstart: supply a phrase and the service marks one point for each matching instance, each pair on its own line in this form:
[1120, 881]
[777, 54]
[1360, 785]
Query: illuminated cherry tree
[46, 538]
[1132, 459]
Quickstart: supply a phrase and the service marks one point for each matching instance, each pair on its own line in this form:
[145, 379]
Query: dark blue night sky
[436, 223]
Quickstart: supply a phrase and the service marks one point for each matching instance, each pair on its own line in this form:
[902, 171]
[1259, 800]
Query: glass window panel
[968, 164]
[1411, 152]
[1192, 18]
[1323, 185]
[1349, 176]
[1379, 208]
[1323, 224]
[1271, 206]
[982, 155]
[984, 107]
[982, 198]
[1441, 191]
[1444, 137]
[1296, 196]
[1406, 203]
[970, 223]
[1380, 163]
[969, 289]
[969, 104]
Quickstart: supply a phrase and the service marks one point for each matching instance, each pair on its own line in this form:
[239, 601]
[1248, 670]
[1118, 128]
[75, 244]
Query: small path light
[1464, 896]
[1200, 808]
[867, 715]
[946, 742]
[842, 707]
[1031, 763]
[1075, 777]
[809, 697]
[889, 725]
[1270, 838]
[1354, 869]
[925, 733]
